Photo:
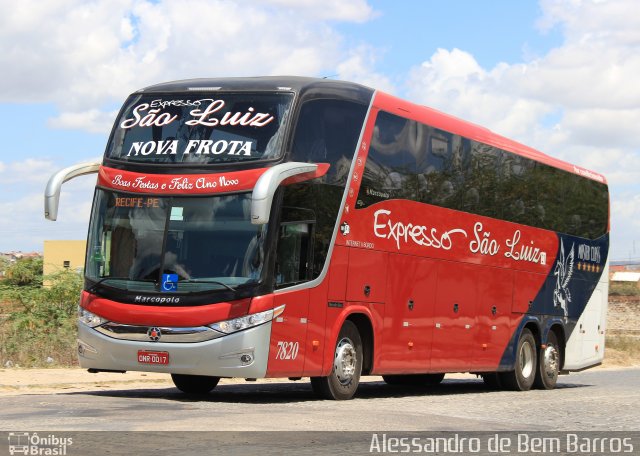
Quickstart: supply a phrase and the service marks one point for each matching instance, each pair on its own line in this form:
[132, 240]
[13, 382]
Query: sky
[562, 76]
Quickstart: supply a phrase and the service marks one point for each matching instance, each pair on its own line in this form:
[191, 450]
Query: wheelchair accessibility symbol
[169, 282]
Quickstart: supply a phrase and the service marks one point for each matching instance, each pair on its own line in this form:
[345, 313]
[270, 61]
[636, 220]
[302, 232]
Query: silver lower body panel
[222, 357]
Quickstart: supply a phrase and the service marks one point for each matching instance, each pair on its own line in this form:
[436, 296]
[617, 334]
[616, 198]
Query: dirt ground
[45, 381]
[57, 380]
[39, 381]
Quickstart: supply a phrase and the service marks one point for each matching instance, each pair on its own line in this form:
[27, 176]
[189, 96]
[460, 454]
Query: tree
[25, 272]
[4, 264]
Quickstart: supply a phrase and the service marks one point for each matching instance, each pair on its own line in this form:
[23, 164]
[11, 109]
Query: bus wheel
[343, 381]
[521, 379]
[548, 364]
[194, 384]
[413, 379]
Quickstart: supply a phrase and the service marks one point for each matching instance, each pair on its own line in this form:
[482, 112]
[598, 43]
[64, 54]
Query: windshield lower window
[174, 245]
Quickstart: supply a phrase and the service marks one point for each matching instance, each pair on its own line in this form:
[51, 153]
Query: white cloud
[22, 224]
[50, 49]
[31, 170]
[605, 21]
[340, 10]
[590, 81]
[594, 126]
[93, 120]
[625, 222]
[359, 66]
[82, 55]
[454, 82]
[581, 75]
[588, 86]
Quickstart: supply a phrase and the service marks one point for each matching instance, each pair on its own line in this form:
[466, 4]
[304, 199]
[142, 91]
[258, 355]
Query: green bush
[25, 272]
[42, 323]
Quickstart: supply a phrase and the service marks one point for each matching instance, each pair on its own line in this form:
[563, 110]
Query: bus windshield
[200, 128]
[174, 245]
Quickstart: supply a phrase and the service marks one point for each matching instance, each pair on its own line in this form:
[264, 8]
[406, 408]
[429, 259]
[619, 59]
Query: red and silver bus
[298, 227]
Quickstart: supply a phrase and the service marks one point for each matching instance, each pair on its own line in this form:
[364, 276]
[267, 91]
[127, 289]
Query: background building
[59, 255]
[9, 258]
[625, 272]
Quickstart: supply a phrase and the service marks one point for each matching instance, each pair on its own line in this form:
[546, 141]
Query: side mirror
[268, 183]
[52, 192]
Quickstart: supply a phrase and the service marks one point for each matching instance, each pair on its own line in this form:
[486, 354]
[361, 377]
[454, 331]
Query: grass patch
[622, 350]
[623, 289]
[39, 326]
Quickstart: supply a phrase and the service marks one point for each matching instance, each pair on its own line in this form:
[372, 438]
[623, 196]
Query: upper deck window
[414, 161]
[200, 128]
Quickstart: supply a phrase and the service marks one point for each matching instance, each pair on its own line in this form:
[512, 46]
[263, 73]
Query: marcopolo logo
[34, 444]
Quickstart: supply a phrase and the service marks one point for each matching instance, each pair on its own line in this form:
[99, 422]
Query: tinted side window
[390, 171]
[327, 132]
[442, 169]
[519, 195]
[483, 181]
[413, 161]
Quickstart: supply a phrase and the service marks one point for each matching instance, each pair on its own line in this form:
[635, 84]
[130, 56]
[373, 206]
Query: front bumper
[221, 357]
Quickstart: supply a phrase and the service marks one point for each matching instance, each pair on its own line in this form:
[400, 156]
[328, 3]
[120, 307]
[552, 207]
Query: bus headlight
[246, 322]
[90, 319]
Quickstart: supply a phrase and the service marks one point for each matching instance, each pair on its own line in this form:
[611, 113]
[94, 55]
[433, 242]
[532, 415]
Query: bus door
[585, 346]
[289, 334]
[408, 318]
[454, 318]
[293, 266]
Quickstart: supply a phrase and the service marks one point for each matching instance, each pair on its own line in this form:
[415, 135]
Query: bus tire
[522, 378]
[413, 379]
[548, 364]
[194, 384]
[343, 381]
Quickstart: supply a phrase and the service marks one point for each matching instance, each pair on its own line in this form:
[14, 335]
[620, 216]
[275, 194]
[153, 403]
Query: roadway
[594, 400]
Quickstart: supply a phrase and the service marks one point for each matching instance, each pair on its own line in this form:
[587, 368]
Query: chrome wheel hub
[526, 359]
[345, 361]
[550, 361]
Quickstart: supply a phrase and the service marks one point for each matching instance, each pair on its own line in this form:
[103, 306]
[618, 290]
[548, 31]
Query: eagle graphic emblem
[563, 273]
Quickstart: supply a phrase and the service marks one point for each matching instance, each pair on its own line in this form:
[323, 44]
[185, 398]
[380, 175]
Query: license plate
[153, 357]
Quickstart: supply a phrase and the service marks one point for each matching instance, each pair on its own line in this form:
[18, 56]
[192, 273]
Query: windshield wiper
[217, 282]
[92, 288]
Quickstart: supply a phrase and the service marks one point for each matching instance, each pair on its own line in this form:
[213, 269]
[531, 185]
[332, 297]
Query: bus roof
[475, 132]
[266, 83]
[382, 100]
